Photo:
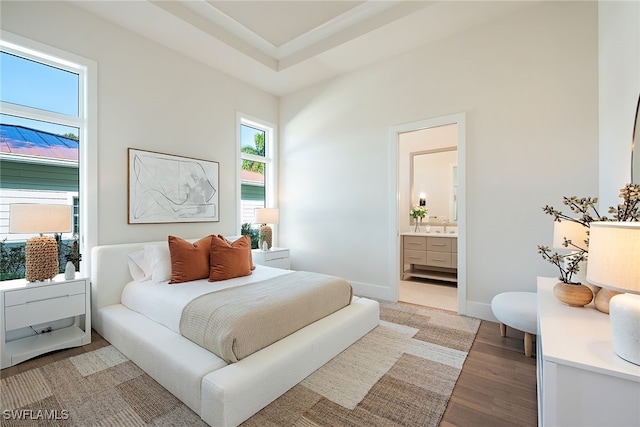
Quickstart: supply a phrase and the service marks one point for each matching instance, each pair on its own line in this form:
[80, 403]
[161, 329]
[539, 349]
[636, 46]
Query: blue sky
[247, 136]
[32, 84]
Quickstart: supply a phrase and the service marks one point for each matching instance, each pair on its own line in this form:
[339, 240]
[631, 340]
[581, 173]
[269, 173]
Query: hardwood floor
[497, 385]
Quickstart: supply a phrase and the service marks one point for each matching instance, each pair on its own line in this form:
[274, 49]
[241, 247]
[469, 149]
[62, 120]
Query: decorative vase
[417, 228]
[603, 298]
[69, 271]
[594, 289]
[573, 294]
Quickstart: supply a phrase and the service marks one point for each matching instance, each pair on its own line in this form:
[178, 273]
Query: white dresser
[581, 381]
[31, 306]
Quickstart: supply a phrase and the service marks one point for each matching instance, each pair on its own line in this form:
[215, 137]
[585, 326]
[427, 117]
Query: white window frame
[269, 159]
[86, 122]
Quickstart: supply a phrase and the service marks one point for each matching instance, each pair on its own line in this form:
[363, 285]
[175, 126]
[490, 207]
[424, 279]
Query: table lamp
[267, 216]
[41, 252]
[614, 262]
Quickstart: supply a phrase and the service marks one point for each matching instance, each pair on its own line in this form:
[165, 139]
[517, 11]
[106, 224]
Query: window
[47, 149]
[257, 170]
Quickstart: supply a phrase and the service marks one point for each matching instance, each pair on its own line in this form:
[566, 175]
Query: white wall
[528, 85]
[619, 77]
[152, 98]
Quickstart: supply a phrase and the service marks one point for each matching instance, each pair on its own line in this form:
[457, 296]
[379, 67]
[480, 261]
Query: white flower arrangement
[418, 211]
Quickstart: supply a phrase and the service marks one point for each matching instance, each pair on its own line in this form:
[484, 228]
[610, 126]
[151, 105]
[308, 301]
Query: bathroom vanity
[432, 255]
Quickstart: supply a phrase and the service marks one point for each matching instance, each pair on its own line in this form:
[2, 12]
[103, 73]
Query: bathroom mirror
[635, 153]
[434, 178]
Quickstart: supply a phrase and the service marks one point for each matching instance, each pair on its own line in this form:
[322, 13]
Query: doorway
[446, 207]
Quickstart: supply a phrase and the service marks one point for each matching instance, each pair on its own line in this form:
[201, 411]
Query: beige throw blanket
[236, 322]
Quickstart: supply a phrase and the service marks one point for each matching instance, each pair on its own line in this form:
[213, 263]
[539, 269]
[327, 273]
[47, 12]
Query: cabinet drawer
[41, 293]
[439, 244]
[454, 245]
[438, 259]
[43, 310]
[415, 257]
[282, 262]
[415, 243]
[272, 256]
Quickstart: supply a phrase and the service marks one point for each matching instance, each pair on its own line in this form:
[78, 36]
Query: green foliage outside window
[11, 260]
[253, 233]
[250, 165]
[12, 257]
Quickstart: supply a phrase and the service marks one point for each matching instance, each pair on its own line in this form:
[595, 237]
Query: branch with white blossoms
[567, 269]
[579, 206]
[629, 210]
[585, 207]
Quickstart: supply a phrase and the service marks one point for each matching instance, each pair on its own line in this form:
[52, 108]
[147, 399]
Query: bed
[221, 393]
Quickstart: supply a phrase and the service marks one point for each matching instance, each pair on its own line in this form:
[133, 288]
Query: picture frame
[167, 188]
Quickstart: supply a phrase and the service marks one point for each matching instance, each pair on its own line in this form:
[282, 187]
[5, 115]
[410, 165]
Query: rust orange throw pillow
[248, 241]
[189, 261]
[229, 260]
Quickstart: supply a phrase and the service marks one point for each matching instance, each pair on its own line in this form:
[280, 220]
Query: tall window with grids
[42, 124]
[257, 170]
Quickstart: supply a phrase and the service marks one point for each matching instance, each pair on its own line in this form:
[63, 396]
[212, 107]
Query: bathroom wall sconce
[423, 199]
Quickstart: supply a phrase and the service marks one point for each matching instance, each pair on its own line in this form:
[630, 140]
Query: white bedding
[163, 302]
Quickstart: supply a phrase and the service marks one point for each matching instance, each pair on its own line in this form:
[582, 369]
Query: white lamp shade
[614, 255]
[570, 230]
[34, 218]
[267, 216]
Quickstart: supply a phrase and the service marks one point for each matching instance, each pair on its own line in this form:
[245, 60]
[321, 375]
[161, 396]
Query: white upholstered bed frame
[223, 395]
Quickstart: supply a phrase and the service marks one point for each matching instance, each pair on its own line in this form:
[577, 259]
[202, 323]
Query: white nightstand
[28, 304]
[274, 257]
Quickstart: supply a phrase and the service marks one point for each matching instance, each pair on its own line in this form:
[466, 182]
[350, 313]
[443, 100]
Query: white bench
[518, 310]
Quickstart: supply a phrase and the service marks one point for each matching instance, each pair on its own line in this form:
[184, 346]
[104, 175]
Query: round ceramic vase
[573, 294]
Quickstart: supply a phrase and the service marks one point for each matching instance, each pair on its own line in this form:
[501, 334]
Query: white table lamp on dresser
[266, 216]
[614, 262]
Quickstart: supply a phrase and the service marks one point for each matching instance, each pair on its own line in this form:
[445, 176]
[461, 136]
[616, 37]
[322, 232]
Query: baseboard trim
[480, 310]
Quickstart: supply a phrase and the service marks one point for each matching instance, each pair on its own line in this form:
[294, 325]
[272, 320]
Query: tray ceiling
[283, 46]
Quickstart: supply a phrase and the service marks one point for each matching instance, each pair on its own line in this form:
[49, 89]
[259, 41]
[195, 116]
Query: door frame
[459, 119]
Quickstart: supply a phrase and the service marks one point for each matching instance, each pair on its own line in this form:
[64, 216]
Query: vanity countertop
[431, 234]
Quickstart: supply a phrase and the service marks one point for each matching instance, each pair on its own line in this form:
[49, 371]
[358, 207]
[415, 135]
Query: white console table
[581, 381]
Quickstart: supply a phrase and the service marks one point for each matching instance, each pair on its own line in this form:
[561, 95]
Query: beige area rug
[400, 374]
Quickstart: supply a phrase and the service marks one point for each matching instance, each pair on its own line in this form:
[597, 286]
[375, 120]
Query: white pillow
[138, 267]
[158, 259]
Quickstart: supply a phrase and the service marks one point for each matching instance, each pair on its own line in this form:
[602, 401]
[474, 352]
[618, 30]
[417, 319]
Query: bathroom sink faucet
[445, 221]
